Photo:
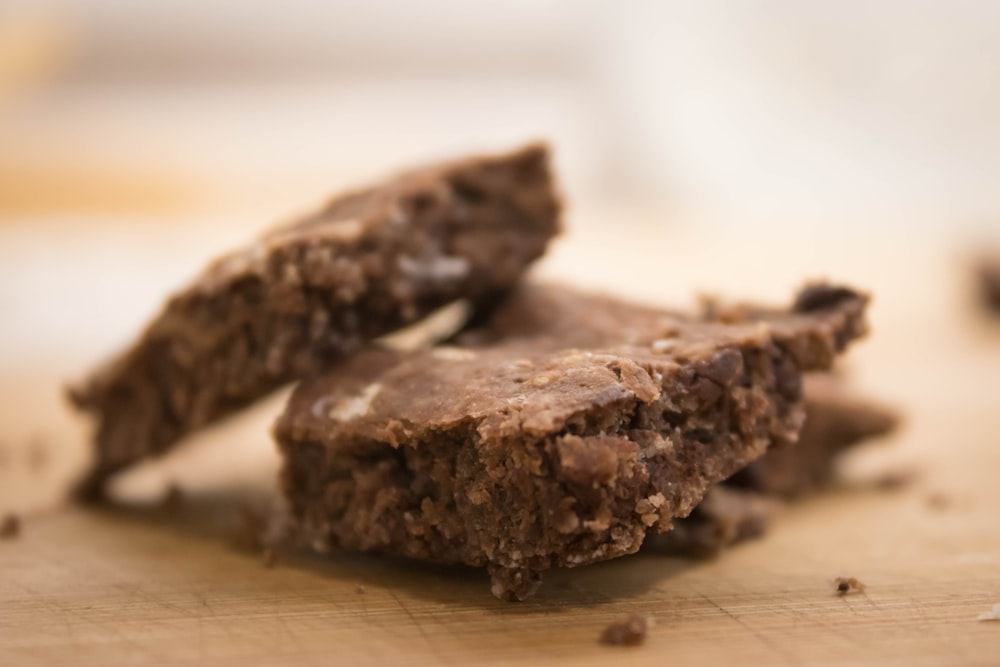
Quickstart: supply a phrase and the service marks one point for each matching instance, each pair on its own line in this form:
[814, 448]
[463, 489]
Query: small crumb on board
[991, 615]
[360, 590]
[844, 585]
[630, 632]
[10, 527]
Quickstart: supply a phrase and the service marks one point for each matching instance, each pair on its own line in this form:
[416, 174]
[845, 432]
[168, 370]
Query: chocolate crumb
[10, 528]
[630, 632]
[269, 557]
[845, 585]
[370, 262]
[360, 590]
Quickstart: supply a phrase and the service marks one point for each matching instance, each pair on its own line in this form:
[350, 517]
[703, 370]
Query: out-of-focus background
[722, 145]
[780, 110]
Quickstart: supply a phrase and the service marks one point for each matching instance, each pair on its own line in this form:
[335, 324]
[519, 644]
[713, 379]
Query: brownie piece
[740, 508]
[305, 294]
[521, 456]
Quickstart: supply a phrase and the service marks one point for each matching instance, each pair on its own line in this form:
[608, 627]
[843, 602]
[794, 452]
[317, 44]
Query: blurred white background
[728, 112]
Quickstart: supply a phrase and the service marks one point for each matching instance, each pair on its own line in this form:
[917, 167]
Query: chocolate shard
[306, 294]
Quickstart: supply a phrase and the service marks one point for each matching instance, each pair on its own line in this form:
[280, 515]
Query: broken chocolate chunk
[630, 632]
[520, 456]
[306, 294]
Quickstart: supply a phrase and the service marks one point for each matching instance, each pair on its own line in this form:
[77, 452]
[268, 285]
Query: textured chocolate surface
[306, 294]
[740, 508]
[519, 455]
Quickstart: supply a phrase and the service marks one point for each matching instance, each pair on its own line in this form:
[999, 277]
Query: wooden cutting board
[147, 584]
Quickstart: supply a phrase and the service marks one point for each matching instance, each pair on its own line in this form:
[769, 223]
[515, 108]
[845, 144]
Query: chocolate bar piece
[306, 294]
[520, 455]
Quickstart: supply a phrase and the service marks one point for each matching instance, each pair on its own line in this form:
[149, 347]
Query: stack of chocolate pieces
[556, 429]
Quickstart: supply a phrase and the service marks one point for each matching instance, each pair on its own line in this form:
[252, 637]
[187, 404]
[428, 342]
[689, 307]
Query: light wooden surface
[142, 584]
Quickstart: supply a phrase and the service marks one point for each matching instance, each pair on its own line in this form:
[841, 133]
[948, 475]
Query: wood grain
[140, 584]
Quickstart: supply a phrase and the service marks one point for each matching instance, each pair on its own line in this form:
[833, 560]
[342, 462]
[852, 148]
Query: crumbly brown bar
[740, 508]
[306, 294]
[519, 456]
